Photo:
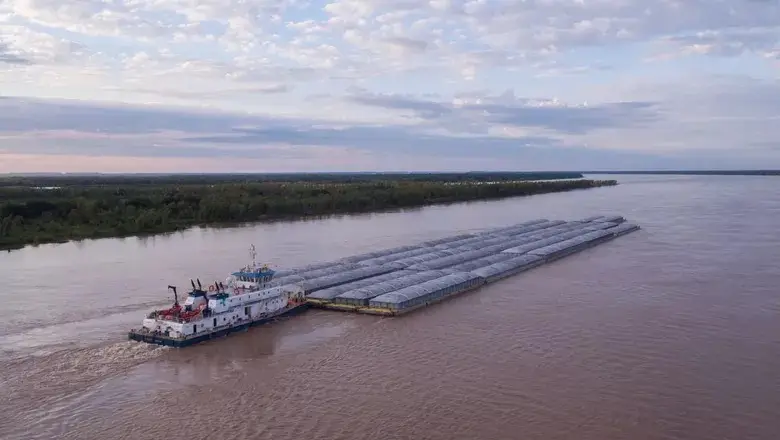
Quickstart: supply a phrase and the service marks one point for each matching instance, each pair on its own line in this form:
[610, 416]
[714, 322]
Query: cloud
[723, 121]
[35, 115]
[8, 56]
[517, 82]
[508, 110]
[764, 42]
[51, 127]
[687, 127]
[226, 40]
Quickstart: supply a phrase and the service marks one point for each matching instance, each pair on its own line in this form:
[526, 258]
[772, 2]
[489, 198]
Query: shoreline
[72, 225]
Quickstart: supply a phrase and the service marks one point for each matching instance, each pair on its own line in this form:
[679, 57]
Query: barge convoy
[388, 282]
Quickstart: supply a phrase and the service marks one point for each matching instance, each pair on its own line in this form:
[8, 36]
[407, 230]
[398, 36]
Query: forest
[45, 211]
[49, 180]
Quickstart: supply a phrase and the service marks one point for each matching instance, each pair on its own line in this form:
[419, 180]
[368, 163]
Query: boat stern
[162, 327]
[141, 335]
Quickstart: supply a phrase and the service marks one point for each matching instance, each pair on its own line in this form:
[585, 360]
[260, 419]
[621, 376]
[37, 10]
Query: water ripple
[669, 333]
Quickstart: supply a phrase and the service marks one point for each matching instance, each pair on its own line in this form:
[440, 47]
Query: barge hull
[543, 260]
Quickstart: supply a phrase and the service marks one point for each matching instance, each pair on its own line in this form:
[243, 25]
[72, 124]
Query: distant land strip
[39, 211]
[57, 179]
[695, 172]
[49, 180]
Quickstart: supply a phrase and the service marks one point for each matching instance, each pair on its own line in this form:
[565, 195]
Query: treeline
[30, 216]
[198, 179]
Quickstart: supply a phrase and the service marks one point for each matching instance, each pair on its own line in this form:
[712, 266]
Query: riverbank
[38, 215]
[58, 180]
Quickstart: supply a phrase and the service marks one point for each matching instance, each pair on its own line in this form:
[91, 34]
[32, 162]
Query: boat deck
[142, 335]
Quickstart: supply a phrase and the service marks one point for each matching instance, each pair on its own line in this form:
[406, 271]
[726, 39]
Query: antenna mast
[253, 254]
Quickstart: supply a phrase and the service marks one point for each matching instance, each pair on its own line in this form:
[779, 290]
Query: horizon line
[678, 171]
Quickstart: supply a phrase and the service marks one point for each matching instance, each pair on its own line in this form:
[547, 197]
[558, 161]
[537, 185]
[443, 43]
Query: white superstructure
[226, 312]
[244, 298]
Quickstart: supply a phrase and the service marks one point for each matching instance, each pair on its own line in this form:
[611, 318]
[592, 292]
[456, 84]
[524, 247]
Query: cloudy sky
[308, 85]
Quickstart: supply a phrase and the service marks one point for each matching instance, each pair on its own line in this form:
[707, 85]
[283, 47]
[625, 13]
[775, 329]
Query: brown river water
[672, 332]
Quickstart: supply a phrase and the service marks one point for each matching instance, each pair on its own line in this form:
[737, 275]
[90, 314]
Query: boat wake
[53, 386]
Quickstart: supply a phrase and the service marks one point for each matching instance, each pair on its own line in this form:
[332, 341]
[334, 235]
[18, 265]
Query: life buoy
[211, 288]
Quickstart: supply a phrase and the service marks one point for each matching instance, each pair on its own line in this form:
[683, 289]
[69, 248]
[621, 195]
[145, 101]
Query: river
[672, 332]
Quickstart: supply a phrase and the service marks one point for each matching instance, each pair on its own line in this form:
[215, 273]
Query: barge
[387, 282]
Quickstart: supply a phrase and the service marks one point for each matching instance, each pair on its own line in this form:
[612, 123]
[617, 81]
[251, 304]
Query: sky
[398, 85]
